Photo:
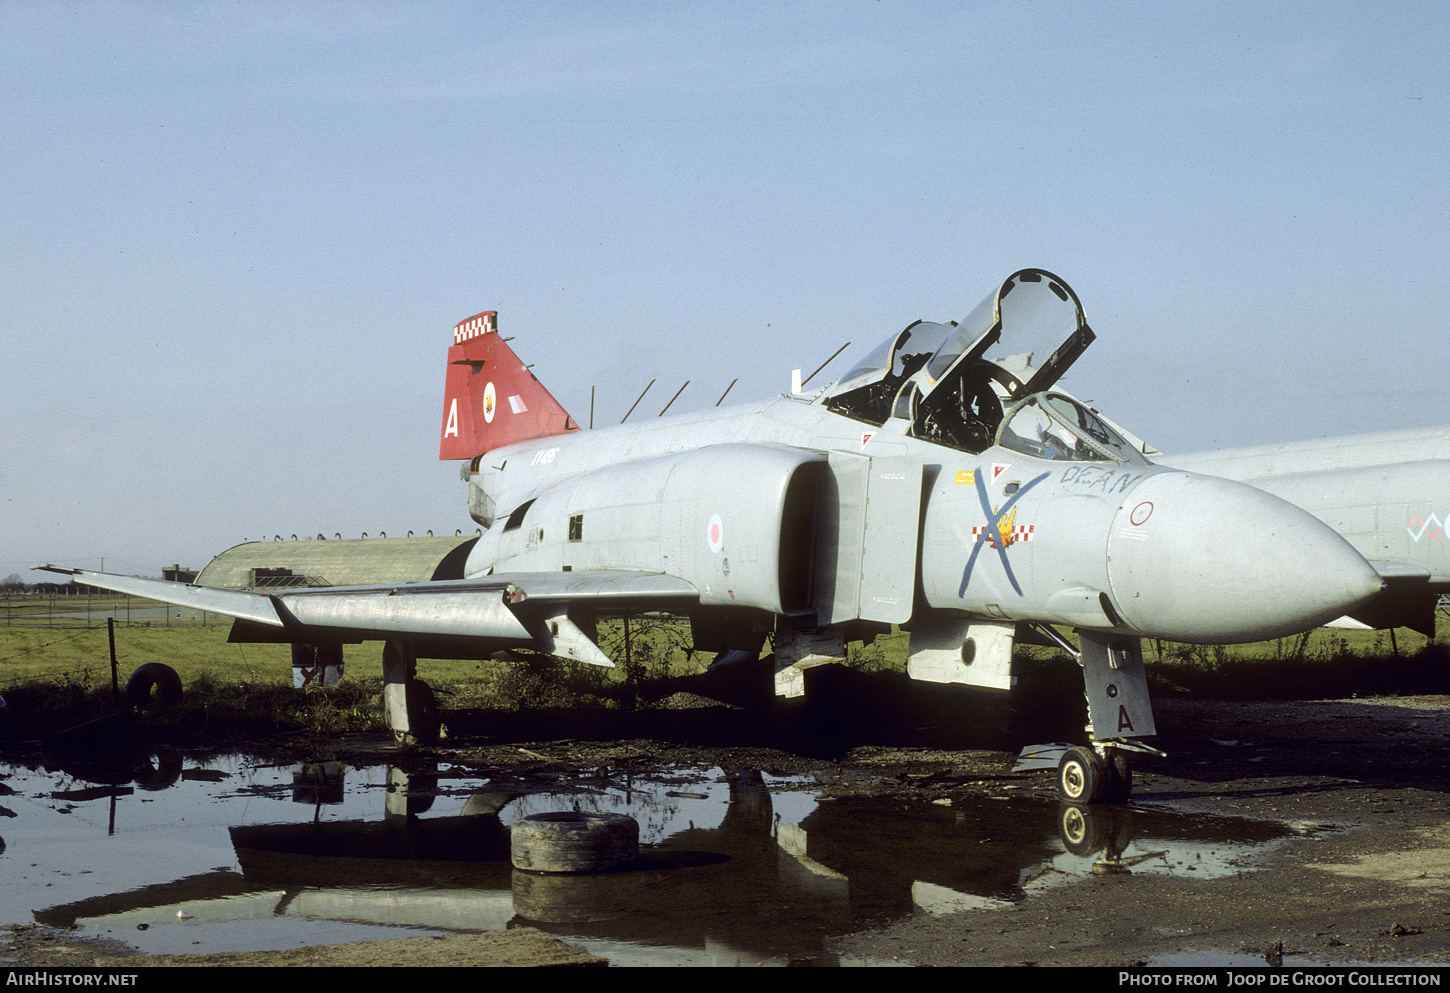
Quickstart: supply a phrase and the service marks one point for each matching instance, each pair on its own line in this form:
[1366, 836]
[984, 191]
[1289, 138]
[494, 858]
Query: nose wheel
[1100, 772]
[1081, 776]
[1084, 776]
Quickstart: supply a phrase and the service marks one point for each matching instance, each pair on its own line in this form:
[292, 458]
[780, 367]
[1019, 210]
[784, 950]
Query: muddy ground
[1371, 883]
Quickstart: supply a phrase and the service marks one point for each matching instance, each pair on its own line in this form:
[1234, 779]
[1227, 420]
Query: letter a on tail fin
[490, 398]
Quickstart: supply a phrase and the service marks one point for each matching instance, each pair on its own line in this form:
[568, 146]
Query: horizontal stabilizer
[242, 604]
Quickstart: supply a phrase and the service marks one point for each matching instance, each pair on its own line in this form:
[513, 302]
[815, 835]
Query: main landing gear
[412, 710]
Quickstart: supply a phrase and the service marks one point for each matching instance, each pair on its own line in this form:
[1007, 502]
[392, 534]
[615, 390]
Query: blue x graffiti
[994, 518]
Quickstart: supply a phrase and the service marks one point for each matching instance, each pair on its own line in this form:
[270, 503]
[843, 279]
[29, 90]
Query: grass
[658, 649]
[211, 711]
[79, 611]
[82, 655]
[55, 679]
[226, 709]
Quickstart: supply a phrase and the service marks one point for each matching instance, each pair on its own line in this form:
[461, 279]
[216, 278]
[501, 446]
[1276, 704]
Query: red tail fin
[490, 398]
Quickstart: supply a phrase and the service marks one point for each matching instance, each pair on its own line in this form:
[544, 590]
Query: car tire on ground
[573, 841]
[154, 676]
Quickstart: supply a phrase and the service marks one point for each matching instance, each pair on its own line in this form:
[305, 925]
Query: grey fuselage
[791, 508]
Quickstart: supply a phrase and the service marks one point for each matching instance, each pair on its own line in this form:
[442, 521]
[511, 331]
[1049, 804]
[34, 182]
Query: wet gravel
[1365, 783]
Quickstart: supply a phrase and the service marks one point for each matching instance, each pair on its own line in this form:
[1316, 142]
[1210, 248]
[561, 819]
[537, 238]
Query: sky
[236, 235]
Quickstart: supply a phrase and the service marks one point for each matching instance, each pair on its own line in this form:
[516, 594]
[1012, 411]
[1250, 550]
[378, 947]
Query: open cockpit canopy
[950, 383]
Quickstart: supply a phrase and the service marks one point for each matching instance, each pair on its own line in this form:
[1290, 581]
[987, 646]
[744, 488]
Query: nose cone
[1206, 560]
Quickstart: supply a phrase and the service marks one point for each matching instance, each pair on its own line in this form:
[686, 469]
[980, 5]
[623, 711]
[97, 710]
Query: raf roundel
[490, 403]
[715, 534]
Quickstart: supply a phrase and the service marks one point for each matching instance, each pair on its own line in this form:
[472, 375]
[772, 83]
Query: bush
[1331, 672]
[211, 709]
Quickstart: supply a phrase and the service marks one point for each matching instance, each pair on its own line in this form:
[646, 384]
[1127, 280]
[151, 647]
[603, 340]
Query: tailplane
[491, 399]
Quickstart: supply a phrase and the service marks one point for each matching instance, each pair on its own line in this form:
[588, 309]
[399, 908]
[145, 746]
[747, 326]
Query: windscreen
[1056, 427]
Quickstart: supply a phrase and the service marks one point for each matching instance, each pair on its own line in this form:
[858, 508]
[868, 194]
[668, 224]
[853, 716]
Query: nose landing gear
[1101, 772]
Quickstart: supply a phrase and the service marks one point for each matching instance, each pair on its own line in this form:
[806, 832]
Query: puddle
[736, 867]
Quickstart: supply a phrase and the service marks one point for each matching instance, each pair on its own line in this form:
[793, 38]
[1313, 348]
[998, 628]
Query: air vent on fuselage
[516, 519]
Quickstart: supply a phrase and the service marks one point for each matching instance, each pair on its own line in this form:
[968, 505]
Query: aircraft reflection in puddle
[734, 867]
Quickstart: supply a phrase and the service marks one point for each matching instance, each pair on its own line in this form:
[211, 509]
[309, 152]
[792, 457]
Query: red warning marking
[997, 469]
[1018, 532]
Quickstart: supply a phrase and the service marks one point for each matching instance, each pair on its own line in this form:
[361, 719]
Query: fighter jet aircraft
[942, 484]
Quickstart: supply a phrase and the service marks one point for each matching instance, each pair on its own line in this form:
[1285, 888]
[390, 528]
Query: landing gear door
[1116, 685]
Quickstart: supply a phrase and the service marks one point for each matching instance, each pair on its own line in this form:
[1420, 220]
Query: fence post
[115, 676]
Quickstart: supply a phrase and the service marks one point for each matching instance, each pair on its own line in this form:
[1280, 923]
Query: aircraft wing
[1409, 600]
[1399, 572]
[539, 610]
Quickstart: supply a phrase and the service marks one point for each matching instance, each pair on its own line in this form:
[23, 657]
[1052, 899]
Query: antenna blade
[636, 402]
[673, 398]
[826, 363]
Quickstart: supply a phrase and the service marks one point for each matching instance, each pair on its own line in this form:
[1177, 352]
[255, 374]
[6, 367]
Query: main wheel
[424, 723]
[1081, 776]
